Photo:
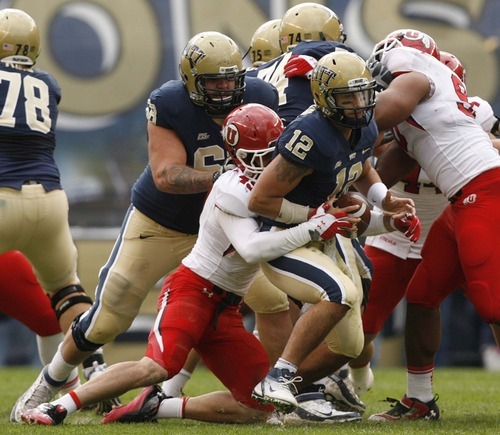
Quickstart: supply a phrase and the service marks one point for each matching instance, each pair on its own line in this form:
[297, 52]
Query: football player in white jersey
[198, 305]
[394, 257]
[427, 107]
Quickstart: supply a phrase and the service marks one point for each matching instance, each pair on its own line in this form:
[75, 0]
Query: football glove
[380, 74]
[300, 65]
[326, 226]
[409, 225]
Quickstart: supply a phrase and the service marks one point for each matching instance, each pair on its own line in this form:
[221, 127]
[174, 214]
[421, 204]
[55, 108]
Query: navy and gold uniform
[295, 93]
[34, 207]
[160, 228]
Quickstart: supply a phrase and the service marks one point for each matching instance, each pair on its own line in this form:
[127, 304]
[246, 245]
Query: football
[364, 212]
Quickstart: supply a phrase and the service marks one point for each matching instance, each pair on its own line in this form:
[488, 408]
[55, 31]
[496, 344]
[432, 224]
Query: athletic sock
[420, 383]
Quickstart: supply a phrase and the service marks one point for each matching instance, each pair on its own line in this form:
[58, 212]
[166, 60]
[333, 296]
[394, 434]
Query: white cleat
[39, 392]
[277, 389]
[341, 392]
[314, 408]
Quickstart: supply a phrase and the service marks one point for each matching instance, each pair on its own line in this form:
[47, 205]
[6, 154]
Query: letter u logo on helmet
[405, 38]
[249, 133]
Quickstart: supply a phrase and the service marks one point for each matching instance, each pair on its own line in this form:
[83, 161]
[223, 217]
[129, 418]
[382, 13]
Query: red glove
[409, 225]
[300, 65]
[328, 225]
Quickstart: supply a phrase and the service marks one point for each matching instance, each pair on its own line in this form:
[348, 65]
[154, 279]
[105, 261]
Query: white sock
[59, 370]
[47, 346]
[359, 375]
[72, 383]
[284, 364]
[171, 408]
[173, 386]
[420, 386]
[68, 403]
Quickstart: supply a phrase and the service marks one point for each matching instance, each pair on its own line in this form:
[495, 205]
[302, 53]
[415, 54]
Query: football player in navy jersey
[307, 32]
[34, 204]
[321, 154]
[208, 286]
[186, 153]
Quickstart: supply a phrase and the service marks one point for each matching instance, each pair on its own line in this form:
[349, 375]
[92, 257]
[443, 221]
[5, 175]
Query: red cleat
[142, 409]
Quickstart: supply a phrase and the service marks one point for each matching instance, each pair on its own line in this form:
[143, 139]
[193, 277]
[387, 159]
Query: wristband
[291, 213]
[377, 193]
[376, 225]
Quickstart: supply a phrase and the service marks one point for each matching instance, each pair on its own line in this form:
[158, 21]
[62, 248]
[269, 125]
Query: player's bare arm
[397, 102]
[393, 164]
[279, 178]
[167, 157]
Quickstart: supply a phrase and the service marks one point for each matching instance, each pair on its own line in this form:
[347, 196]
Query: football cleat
[100, 408]
[314, 408]
[45, 414]
[142, 409]
[275, 419]
[341, 392]
[39, 392]
[408, 409]
[277, 389]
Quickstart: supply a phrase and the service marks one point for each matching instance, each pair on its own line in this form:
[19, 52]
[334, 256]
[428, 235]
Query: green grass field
[469, 402]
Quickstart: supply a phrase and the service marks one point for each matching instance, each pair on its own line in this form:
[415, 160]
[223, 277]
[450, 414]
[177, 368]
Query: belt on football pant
[228, 300]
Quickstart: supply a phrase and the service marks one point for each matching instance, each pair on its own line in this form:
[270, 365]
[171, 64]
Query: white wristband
[376, 225]
[291, 213]
[377, 193]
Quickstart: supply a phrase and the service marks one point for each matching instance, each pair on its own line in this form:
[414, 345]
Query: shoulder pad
[232, 194]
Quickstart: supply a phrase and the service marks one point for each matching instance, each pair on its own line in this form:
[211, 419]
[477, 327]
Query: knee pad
[347, 337]
[79, 338]
[77, 296]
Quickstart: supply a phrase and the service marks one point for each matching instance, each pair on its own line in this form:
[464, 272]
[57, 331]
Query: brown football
[364, 212]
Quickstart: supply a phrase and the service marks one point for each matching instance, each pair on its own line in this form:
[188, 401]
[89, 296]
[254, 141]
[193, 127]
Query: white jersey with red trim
[230, 245]
[213, 256]
[484, 113]
[429, 203]
[442, 134]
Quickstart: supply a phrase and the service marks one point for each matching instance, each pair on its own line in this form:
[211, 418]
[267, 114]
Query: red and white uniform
[394, 257]
[220, 268]
[456, 153]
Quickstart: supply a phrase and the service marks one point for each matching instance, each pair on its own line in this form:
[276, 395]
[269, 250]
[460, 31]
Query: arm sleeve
[255, 246]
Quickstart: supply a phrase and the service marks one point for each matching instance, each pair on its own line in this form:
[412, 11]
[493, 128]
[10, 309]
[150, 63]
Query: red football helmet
[406, 38]
[249, 133]
[452, 62]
